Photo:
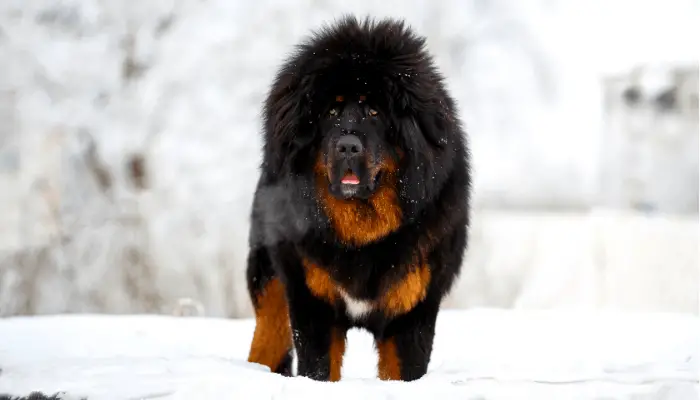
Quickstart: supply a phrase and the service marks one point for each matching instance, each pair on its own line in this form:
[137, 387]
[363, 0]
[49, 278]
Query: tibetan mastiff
[360, 214]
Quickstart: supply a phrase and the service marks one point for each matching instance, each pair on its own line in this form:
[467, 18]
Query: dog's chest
[356, 308]
[391, 294]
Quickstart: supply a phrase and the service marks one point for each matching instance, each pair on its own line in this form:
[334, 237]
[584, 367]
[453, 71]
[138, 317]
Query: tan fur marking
[356, 222]
[320, 282]
[272, 338]
[389, 366]
[336, 353]
[406, 293]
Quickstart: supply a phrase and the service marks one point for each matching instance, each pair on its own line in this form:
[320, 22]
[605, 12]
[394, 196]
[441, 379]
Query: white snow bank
[478, 354]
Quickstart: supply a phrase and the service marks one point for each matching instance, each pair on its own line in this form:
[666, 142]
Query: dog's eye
[373, 112]
[333, 111]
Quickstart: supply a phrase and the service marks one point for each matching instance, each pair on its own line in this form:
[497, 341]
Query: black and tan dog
[360, 215]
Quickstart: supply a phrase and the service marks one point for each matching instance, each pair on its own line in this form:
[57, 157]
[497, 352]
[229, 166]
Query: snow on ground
[481, 353]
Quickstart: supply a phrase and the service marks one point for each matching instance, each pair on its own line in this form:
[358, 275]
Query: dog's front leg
[318, 340]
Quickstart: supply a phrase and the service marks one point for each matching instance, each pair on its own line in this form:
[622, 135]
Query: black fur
[388, 62]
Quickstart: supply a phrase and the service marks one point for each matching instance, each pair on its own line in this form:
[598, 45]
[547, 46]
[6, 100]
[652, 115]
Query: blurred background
[129, 148]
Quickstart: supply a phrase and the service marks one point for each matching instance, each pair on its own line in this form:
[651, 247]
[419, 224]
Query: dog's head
[361, 105]
[354, 154]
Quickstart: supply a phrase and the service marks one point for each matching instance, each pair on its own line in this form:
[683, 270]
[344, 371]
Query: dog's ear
[434, 126]
[415, 166]
[425, 132]
[282, 109]
[285, 109]
[428, 159]
[412, 137]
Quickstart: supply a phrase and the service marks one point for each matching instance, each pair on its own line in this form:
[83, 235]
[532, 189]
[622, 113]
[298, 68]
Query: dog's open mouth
[350, 179]
[352, 185]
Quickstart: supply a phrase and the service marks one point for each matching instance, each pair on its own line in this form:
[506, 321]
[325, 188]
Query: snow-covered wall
[597, 259]
[129, 146]
[650, 157]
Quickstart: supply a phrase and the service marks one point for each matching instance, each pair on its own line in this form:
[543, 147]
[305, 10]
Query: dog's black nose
[349, 146]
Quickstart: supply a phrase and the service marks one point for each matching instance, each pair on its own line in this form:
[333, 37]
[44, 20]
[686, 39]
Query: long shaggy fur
[402, 276]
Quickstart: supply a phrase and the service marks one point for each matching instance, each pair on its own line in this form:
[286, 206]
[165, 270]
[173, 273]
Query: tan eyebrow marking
[339, 99]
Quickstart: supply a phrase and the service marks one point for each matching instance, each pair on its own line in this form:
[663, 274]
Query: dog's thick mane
[398, 259]
[386, 60]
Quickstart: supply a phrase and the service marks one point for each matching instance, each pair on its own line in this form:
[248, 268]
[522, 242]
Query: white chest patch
[356, 308]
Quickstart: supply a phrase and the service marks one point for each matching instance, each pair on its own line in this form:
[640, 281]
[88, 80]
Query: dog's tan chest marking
[399, 299]
[356, 222]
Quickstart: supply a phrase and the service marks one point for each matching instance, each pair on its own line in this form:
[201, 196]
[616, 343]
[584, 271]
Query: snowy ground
[478, 354]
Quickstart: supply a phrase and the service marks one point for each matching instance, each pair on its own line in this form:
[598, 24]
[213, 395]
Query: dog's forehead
[351, 111]
[348, 80]
[359, 98]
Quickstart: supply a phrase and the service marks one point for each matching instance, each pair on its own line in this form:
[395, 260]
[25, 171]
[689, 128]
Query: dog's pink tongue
[350, 180]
